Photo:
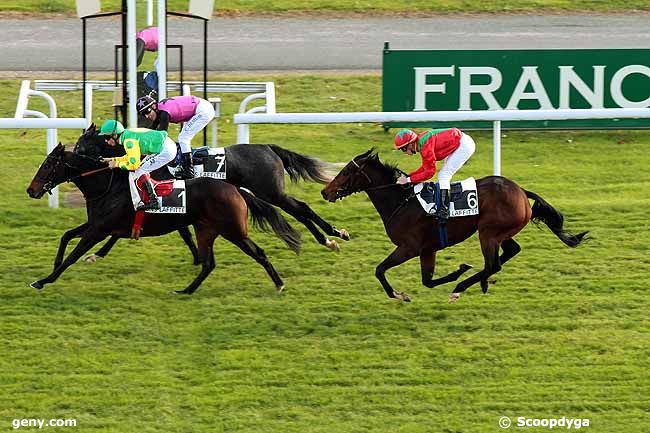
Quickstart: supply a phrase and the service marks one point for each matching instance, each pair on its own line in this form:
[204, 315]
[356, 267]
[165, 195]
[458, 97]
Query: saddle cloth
[463, 201]
[210, 162]
[171, 195]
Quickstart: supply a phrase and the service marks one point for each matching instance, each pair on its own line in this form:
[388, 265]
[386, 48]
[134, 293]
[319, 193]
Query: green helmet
[111, 127]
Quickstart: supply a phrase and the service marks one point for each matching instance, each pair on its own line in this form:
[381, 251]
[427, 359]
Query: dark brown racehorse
[504, 210]
[214, 208]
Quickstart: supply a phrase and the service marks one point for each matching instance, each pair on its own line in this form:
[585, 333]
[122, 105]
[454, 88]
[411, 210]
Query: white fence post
[50, 123]
[496, 142]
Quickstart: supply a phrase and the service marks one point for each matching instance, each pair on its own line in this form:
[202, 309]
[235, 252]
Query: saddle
[163, 188]
[463, 200]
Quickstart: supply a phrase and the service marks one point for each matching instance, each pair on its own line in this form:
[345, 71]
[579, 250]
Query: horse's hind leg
[205, 239]
[252, 249]
[65, 240]
[91, 258]
[510, 249]
[428, 265]
[303, 213]
[490, 249]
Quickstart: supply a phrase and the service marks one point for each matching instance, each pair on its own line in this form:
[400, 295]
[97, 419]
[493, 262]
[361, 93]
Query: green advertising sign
[456, 80]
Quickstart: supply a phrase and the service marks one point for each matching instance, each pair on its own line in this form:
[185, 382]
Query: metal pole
[124, 62]
[181, 54]
[83, 60]
[133, 68]
[205, 73]
[496, 139]
[162, 49]
[149, 13]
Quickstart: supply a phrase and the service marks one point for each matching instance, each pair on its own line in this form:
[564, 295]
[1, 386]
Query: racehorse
[213, 207]
[504, 210]
[257, 167]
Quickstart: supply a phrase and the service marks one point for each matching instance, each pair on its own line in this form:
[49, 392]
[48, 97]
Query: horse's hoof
[484, 286]
[91, 258]
[180, 292]
[36, 285]
[280, 289]
[402, 296]
[453, 298]
[343, 234]
[332, 245]
[464, 267]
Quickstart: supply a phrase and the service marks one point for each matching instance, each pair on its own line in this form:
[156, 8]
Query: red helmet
[404, 137]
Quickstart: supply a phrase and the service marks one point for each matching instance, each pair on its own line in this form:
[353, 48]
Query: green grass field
[561, 333]
[347, 6]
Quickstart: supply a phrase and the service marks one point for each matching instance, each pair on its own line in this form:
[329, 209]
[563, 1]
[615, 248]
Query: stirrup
[152, 205]
[184, 173]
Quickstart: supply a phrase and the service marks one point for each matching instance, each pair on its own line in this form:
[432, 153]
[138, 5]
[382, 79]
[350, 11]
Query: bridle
[49, 184]
[375, 188]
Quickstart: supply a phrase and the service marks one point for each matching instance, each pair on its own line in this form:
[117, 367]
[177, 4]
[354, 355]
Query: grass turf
[561, 333]
[347, 6]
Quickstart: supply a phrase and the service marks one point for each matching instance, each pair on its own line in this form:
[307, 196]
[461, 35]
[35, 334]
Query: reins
[380, 187]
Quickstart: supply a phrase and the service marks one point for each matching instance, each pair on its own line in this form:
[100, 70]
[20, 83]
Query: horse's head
[49, 174]
[93, 145]
[362, 172]
[60, 166]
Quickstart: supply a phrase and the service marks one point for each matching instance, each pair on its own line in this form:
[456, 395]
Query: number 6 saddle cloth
[171, 195]
[463, 202]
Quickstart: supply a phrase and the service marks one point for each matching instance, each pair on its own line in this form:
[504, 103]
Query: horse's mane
[91, 144]
[390, 169]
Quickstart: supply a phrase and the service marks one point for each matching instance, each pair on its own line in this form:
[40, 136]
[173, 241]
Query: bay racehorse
[257, 167]
[504, 210]
[214, 208]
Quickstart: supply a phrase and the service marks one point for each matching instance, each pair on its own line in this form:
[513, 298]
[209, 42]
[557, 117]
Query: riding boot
[152, 203]
[443, 210]
[186, 169]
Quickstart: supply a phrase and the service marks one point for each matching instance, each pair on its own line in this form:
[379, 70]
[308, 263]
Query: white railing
[497, 116]
[41, 121]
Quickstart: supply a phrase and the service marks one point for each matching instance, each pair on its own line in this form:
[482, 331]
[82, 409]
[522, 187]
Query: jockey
[158, 148]
[195, 112]
[146, 40]
[436, 145]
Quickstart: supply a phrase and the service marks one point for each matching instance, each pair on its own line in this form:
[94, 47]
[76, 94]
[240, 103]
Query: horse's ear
[365, 154]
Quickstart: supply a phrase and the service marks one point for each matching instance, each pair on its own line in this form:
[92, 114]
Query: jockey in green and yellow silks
[158, 149]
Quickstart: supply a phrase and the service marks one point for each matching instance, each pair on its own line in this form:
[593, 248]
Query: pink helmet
[404, 137]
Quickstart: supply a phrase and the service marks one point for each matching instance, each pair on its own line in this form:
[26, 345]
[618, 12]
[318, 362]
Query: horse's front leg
[65, 240]
[428, 266]
[88, 240]
[187, 237]
[92, 258]
[397, 257]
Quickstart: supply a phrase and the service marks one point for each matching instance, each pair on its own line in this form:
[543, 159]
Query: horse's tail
[263, 215]
[544, 212]
[302, 166]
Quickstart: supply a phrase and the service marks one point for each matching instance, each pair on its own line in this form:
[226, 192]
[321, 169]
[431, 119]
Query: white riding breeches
[154, 162]
[455, 161]
[204, 114]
